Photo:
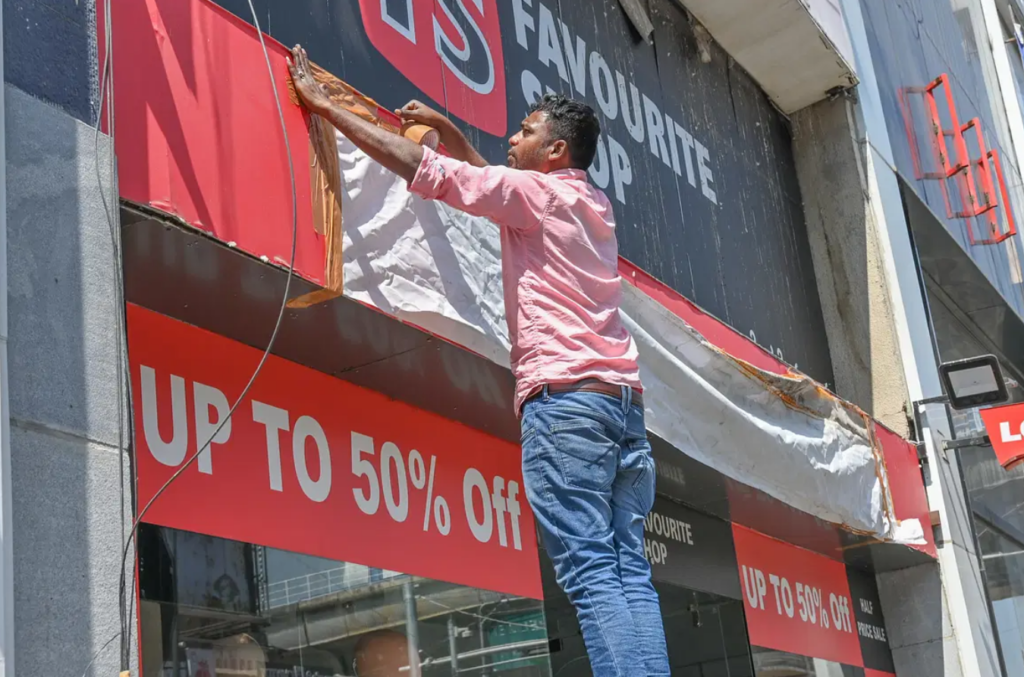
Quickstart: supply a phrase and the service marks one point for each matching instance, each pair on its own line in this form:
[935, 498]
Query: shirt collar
[578, 174]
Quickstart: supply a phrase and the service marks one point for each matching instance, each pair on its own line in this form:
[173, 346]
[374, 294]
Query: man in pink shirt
[587, 465]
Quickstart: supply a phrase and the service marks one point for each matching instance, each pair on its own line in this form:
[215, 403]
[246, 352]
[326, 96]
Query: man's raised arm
[455, 142]
[394, 152]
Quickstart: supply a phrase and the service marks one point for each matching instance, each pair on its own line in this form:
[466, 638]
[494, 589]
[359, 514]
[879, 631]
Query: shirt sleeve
[509, 197]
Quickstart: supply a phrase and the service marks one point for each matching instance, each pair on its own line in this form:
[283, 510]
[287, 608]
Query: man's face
[531, 147]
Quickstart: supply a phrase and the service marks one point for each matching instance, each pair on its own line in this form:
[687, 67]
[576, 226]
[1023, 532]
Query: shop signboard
[867, 611]
[689, 549]
[1005, 426]
[799, 602]
[312, 464]
[795, 600]
[702, 185]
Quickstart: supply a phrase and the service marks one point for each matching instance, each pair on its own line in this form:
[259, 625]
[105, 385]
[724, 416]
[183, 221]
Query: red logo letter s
[450, 49]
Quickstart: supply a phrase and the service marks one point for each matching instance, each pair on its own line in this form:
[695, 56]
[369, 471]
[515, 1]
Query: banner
[316, 465]
[1005, 427]
[796, 601]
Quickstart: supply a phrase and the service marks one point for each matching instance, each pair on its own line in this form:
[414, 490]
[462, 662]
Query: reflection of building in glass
[997, 501]
[769, 663]
[337, 619]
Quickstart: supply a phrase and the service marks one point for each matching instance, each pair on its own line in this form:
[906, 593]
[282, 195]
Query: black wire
[106, 94]
[85, 673]
[125, 614]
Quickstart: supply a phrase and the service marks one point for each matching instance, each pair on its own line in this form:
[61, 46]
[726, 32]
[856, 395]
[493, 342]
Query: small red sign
[1005, 426]
[450, 49]
[796, 601]
[315, 465]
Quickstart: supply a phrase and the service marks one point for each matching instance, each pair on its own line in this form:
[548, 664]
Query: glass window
[771, 663]
[997, 501]
[215, 608]
[1003, 559]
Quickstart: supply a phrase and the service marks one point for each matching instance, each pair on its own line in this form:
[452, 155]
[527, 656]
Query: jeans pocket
[644, 483]
[587, 456]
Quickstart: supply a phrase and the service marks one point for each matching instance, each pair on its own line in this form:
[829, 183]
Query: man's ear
[558, 150]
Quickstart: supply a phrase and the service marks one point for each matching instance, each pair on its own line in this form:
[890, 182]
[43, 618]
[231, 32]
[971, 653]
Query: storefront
[331, 530]
[363, 512]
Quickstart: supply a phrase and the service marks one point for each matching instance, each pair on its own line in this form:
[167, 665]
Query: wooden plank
[637, 13]
[313, 298]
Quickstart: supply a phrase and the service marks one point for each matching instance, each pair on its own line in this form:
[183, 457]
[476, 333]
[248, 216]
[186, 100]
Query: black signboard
[692, 550]
[867, 610]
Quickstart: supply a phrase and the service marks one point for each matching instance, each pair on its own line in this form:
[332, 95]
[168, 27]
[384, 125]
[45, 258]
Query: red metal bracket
[980, 183]
[948, 163]
[995, 234]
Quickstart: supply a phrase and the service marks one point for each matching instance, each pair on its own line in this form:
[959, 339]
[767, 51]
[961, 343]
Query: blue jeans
[589, 477]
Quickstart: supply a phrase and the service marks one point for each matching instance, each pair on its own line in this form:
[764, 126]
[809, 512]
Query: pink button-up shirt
[559, 261]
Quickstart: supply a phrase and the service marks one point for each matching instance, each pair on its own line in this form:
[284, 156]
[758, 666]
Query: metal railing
[323, 583]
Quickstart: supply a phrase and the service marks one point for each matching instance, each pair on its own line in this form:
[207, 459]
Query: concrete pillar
[842, 226]
[70, 467]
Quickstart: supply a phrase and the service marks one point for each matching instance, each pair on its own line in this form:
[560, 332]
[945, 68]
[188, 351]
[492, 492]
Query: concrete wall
[71, 496]
[50, 52]
[842, 229]
[69, 521]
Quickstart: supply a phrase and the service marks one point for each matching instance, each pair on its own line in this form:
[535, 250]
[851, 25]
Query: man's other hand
[422, 114]
[308, 90]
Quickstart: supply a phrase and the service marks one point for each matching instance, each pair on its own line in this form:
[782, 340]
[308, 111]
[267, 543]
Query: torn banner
[440, 269]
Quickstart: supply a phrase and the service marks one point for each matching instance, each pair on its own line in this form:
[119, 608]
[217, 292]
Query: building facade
[359, 509]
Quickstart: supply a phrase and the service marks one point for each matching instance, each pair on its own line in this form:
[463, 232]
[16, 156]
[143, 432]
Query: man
[587, 465]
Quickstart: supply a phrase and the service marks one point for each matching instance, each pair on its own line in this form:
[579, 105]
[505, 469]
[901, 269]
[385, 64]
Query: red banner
[1005, 426]
[315, 465]
[796, 601]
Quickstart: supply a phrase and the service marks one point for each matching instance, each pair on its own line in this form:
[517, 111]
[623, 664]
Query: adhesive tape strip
[423, 135]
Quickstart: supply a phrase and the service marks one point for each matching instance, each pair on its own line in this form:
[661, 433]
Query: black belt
[590, 385]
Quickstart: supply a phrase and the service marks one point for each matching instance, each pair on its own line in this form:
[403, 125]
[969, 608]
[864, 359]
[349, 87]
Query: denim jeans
[589, 477]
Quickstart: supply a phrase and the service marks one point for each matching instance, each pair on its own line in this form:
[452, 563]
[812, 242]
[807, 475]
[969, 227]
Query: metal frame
[959, 166]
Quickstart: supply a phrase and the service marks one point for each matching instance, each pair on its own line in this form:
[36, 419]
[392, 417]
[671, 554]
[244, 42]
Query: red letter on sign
[450, 49]
[1005, 426]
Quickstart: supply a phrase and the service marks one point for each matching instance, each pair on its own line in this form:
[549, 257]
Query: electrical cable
[105, 88]
[85, 673]
[106, 95]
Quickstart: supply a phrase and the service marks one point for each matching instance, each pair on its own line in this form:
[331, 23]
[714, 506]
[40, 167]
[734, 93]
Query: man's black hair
[574, 122]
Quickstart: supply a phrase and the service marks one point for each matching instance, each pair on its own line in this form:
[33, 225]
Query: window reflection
[214, 608]
[770, 663]
[997, 501]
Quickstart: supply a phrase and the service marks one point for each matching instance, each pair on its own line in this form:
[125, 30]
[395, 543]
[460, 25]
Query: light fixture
[974, 382]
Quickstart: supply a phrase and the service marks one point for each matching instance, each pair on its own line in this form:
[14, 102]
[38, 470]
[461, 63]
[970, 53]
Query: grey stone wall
[50, 52]
[70, 480]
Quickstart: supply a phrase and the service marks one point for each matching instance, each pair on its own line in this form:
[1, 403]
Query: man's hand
[394, 152]
[457, 145]
[421, 113]
[309, 91]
